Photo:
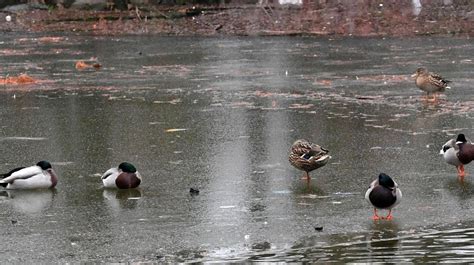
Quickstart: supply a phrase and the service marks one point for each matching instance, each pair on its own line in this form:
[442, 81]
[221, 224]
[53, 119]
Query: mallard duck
[458, 152]
[125, 176]
[307, 156]
[383, 193]
[40, 176]
[430, 82]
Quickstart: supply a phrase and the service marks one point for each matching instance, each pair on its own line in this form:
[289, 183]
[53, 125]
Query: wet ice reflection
[220, 115]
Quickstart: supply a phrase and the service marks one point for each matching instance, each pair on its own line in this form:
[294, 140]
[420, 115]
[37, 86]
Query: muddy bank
[367, 19]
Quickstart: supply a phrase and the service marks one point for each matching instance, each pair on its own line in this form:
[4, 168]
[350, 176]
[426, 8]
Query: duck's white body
[458, 152]
[31, 178]
[109, 177]
[449, 151]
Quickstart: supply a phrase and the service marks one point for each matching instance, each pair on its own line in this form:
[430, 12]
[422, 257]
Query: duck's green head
[386, 181]
[461, 139]
[44, 165]
[127, 167]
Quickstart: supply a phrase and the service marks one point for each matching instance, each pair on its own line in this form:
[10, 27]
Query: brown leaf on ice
[324, 82]
[81, 65]
[17, 80]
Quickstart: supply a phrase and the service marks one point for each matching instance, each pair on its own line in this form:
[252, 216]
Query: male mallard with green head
[125, 176]
[458, 152]
[430, 82]
[383, 193]
[307, 156]
[39, 176]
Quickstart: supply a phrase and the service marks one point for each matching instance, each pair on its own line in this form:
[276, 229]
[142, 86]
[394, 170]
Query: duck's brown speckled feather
[306, 156]
[430, 82]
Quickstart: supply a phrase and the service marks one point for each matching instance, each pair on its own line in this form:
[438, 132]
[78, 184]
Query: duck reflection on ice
[462, 190]
[383, 236]
[122, 199]
[30, 201]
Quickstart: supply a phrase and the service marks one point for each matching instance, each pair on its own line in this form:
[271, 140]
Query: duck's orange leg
[433, 99]
[461, 172]
[389, 216]
[306, 176]
[376, 216]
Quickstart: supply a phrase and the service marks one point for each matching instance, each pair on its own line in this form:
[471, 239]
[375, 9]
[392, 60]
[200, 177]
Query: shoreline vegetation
[340, 18]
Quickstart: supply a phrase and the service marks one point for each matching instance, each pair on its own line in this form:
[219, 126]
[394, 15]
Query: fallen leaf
[324, 82]
[81, 65]
[17, 80]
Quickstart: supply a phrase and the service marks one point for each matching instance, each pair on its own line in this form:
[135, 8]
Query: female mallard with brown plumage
[307, 156]
[430, 82]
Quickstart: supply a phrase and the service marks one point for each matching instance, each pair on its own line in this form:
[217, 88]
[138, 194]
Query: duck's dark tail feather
[2, 176]
[11, 172]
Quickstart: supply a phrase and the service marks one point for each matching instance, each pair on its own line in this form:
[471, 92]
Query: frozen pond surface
[219, 114]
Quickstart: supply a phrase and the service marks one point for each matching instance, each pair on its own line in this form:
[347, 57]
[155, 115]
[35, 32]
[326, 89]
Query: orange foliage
[81, 65]
[324, 82]
[17, 80]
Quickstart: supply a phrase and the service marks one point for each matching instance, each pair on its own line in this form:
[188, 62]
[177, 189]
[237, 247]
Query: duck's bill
[413, 75]
[323, 157]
